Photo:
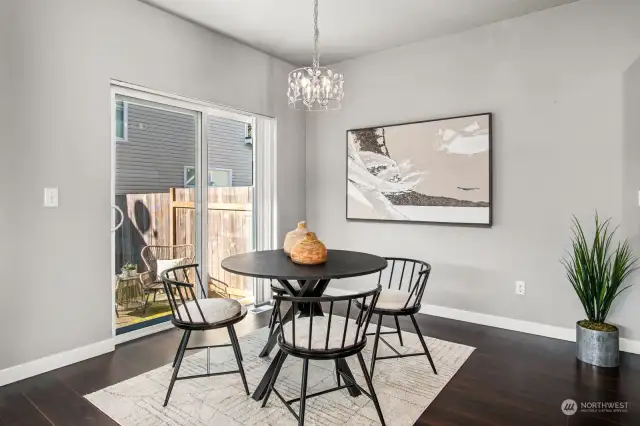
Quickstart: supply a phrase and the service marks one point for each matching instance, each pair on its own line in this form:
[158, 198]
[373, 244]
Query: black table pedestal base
[308, 288]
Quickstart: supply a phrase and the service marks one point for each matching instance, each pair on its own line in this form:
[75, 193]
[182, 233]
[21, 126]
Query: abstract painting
[436, 171]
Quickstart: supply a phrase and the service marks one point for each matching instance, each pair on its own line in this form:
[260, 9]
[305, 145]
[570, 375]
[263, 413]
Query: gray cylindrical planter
[600, 348]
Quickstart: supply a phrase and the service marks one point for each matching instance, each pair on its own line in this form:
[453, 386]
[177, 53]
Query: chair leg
[155, 292]
[272, 383]
[177, 368]
[273, 313]
[235, 337]
[372, 391]
[184, 337]
[337, 372]
[236, 351]
[398, 328]
[303, 391]
[375, 345]
[272, 323]
[146, 302]
[424, 345]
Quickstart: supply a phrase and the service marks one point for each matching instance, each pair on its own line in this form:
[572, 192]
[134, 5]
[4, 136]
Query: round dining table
[312, 282]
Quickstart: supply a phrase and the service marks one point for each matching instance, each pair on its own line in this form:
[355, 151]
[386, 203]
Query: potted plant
[129, 270]
[597, 269]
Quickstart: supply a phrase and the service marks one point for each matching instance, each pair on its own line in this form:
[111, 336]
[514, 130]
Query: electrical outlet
[51, 197]
[520, 288]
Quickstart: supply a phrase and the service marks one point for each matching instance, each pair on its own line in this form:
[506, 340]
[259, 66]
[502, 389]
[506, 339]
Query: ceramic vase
[309, 251]
[294, 236]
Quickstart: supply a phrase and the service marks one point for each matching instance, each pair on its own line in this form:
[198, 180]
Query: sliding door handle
[115, 228]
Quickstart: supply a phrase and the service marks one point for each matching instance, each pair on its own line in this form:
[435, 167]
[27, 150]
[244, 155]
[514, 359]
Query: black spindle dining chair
[403, 283]
[324, 336]
[278, 289]
[192, 314]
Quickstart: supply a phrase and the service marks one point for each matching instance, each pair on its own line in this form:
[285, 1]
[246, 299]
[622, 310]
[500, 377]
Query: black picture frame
[489, 115]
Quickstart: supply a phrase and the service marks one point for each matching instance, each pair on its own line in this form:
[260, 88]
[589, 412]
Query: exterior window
[121, 121]
[248, 134]
[217, 177]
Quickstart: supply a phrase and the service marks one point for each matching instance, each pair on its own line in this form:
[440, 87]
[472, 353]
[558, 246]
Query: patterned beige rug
[405, 388]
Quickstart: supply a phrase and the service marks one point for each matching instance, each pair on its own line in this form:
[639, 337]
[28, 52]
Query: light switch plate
[51, 197]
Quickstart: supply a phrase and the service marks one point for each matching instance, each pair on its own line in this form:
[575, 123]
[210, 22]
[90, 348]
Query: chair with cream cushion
[403, 283]
[317, 335]
[192, 314]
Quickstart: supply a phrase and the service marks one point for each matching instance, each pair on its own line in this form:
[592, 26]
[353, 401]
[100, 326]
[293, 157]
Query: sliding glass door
[185, 190]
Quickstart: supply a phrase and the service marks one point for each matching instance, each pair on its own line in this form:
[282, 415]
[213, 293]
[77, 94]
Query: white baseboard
[62, 359]
[52, 362]
[545, 330]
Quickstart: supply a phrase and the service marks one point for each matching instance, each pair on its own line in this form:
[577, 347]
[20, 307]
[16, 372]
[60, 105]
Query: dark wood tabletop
[275, 264]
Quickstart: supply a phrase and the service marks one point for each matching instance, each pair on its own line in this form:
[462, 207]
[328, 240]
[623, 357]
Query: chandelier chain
[315, 88]
[316, 36]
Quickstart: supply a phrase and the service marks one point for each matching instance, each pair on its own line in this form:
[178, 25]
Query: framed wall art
[435, 171]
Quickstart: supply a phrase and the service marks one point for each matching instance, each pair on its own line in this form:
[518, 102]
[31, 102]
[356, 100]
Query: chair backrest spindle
[404, 265]
[393, 265]
[326, 345]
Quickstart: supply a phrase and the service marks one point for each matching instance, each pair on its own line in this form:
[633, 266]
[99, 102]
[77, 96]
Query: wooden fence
[169, 219]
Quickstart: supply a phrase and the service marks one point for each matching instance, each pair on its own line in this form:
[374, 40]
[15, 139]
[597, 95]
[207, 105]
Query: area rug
[405, 388]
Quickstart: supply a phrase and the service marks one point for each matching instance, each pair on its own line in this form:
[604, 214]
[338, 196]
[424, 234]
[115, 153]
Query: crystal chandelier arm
[316, 36]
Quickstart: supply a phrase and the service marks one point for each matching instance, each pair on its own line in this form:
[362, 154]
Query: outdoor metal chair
[151, 280]
[152, 283]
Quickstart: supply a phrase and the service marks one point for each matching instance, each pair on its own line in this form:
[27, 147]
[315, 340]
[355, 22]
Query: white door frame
[264, 172]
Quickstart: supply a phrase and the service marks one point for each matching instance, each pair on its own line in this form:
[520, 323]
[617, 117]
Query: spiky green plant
[129, 267]
[597, 270]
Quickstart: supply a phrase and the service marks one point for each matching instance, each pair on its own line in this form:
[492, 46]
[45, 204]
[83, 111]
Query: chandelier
[315, 88]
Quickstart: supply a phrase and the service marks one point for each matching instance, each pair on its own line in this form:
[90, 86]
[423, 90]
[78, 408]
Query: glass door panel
[155, 145]
[231, 230]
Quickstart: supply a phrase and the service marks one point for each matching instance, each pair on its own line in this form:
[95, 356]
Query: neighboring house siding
[227, 149]
[161, 143]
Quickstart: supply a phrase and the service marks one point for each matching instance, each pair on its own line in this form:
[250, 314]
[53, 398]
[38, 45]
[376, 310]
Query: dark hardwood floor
[511, 379]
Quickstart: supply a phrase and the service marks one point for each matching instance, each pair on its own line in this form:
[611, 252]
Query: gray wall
[554, 81]
[8, 213]
[161, 143]
[62, 56]
[631, 167]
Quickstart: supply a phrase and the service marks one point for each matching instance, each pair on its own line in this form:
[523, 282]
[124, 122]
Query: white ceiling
[348, 28]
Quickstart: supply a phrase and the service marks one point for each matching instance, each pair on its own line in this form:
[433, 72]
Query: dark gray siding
[227, 149]
[161, 143]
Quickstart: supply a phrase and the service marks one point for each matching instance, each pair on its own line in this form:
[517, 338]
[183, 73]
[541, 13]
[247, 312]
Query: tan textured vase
[294, 236]
[309, 251]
